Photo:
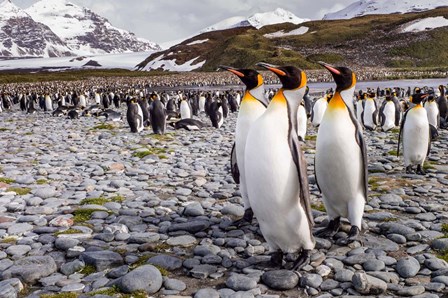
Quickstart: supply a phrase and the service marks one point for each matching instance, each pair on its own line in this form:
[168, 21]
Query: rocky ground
[88, 209]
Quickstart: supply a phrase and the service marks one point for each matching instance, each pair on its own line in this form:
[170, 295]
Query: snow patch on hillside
[299, 31]
[425, 24]
[367, 7]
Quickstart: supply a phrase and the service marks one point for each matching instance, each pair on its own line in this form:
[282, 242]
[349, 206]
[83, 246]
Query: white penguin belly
[272, 183]
[139, 118]
[184, 110]
[339, 163]
[433, 111]
[301, 122]
[250, 111]
[415, 137]
[202, 104]
[359, 110]
[389, 114]
[369, 109]
[319, 110]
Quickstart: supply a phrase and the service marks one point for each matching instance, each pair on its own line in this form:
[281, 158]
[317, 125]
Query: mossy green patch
[392, 152]
[429, 165]
[319, 207]
[7, 180]
[4, 129]
[162, 270]
[88, 269]
[82, 215]
[104, 126]
[115, 292]
[41, 181]
[140, 262]
[150, 151]
[163, 138]
[94, 201]
[69, 231]
[443, 255]
[21, 191]
[310, 137]
[9, 239]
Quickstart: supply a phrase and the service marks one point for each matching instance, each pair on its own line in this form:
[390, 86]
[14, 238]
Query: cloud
[164, 20]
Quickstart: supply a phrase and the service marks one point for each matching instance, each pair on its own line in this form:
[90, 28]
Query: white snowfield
[197, 42]
[171, 65]
[366, 7]
[299, 31]
[107, 61]
[425, 24]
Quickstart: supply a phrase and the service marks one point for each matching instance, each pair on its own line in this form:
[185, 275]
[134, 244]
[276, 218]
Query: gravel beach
[87, 207]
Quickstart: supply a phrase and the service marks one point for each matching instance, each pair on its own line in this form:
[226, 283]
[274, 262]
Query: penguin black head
[344, 77]
[251, 78]
[291, 77]
[417, 98]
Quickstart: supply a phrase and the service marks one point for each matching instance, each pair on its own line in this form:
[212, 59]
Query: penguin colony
[267, 160]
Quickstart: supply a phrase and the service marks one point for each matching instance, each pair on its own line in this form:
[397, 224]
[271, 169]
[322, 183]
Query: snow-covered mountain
[21, 36]
[366, 7]
[84, 31]
[257, 20]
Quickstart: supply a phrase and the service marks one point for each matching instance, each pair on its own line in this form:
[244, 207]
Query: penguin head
[291, 77]
[344, 77]
[417, 98]
[251, 78]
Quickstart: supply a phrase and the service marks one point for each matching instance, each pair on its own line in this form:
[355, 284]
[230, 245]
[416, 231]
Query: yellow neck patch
[260, 80]
[248, 97]
[279, 98]
[337, 102]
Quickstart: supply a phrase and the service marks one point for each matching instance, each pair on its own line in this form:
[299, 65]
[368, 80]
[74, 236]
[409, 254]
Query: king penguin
[432, 109]
[318, 110]
[415, 132]
[157, 115]
[390, 112]
[370, 112]
[134, 115]
[341, 158]
[185, 108]
[276, 172]
[253, 105]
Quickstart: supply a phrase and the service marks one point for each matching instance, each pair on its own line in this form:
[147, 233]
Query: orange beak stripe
[277, 71]
[238, 73]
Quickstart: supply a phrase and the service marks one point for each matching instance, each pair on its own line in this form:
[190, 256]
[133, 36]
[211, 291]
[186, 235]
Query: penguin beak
[275, 69]
[232, 70]
[330, 67]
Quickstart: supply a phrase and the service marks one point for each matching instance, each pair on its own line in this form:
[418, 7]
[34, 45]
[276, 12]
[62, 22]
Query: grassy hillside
[368, 41]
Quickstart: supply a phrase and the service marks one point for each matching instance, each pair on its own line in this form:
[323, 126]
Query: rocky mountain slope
[20, 35]
[386, 40]
[84, 31]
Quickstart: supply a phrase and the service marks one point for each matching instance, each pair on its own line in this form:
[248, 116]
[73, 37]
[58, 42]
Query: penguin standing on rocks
[253, 105]
[145, 110]
[415, 132]
[341, 158]
[157, 115]
[359, 107]
[201, 103]
[276, 172]
[432, 109]
[134, 115]
[318, 110]
[390, 112]
[48, 107]
[443, 107]
[216, 114]
[185, 109]
[370, 112]
[301, 121]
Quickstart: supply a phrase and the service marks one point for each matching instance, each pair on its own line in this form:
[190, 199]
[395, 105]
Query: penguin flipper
[382, 116]
[300, 162]
[401, 131]
[397, 112]
[234, 166]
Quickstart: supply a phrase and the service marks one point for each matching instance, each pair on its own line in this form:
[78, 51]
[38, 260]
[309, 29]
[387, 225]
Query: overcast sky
[166, 20]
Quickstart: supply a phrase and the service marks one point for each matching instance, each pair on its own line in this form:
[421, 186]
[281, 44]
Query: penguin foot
[409, 170]
[352, 236]
[302, 260]
[420, 170]
[246, 219]
[277, 259]
[330, 230]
